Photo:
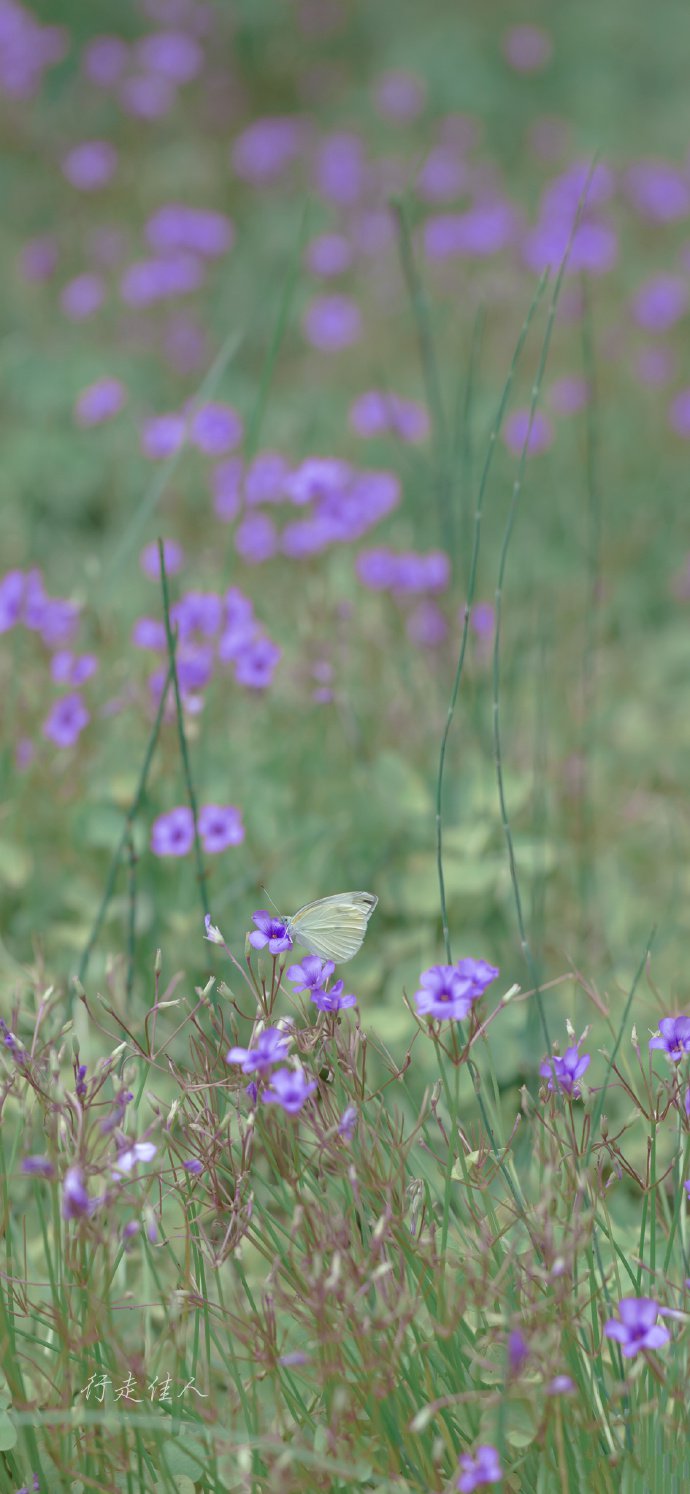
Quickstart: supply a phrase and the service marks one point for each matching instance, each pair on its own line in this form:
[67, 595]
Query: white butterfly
[333, 927]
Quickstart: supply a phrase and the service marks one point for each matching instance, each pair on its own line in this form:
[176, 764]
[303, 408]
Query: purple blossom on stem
[66, 720]
[255, 664]
[347, 1122]
[193, 1165]
[12, 1043]
[140, 1151]
[150, 561]
[99, 402]
[172, 834]
[289, 1088]
[220, 826]
[638, 1328]
[67, 668]
[198, 230]
[269, 931]
[482, 1468]
[11, 599]
[444, 993]
[82, 297]
[479, 973]
[673, 1038]
[567, 1070]
[271, 1047]
[37, 1166]
[76, 1203]
[331, 323]
[90, 166]
[311, 974]
[333, 1000]
[162, 436]
[560, 1385]
[215, 429]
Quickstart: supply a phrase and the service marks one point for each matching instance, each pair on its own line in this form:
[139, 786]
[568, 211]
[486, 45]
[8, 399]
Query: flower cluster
[219, 825]
[448, 991]
[312, 975]
[211, 629]
[288, 1087]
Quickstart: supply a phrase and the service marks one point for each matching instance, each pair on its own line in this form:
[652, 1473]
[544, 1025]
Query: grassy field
[372, 321]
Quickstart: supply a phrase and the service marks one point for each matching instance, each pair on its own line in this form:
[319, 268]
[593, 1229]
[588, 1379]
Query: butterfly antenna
[268, 895]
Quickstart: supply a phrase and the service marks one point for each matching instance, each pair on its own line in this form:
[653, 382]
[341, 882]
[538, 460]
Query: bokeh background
[203, 296]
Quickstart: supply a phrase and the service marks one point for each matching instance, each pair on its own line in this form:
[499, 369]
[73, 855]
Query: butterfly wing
[333, 927]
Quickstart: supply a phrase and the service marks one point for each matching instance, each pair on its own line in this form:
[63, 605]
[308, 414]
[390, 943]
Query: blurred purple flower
[76, 1203]
[148, 632]
[660, 302]
[99, 402]
[378, 413]
[483, 1468]
[67, 668]
[172, 834]
[329, 254]
[679, 414]
[444, 993]
[594, 247]
[140, 1151]
[317, 477]
[39, 258]
[479, 973]
[289, 1088]
[270, 1047]
[173, 54]
[399, 96]
[310, 974]
[82, 297]
[265, 478]
[150, 280]
[567, 1070]
[226, 483]
[197, 612]
[147, 96]
[37, 1166]
[220, 826]
[255, 665]
[91, 165]
[331, 323]
[340, 168]
[481, 231]
[11, 599]
[483, 619]
[12, 1043]
[104, 60]
[198, 230]
[518, 1352]
[443, 176]
[528, 49]
[269, 931]
[347, 1122]
[568, 395]
[215, 429]
[265, 149]
[193, 1165]
[638, 1328]
[658, 191]
[256, 539]
[162, 436]
[173, 555]
[517, 426]
[560, 1385]
[673, 1038]
[66, 720]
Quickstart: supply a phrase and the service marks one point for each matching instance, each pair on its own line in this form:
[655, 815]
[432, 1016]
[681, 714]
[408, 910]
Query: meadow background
[379, 189]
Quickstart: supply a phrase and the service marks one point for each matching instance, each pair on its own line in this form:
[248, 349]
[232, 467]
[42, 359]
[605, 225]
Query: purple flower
[340, 168]
[263, 152]
[331, 323]
[479, 973]
[560, 1385]
[255, 664]
[72, 669]
[150, 560]
[193, 1165]
[256, 539]
[198, 230]
[215, 429]
[151, 280]
[148, 632]
[104, 60]
[269, 931]
[527, 49]
[226, 483]
[480, 232]
[518, 1351]
[347, 1122]
[673, 1038]
[376, 413]
[99, 402]
[140, 1151]
[594, 247]
[445, 993]
[443, 176]
[310, 974]
[271, 1047]
[567, 1070]
[518, 424]
[83, 296]
[173, 54]
[289, 1088]
[660, 303]
[66, 720]
[172, 834]
[147, 96]
[329, 254]
[39, 258]
[638, 1328]
[162, 436]
[91, 165]
[265, 479]
[220, 826]
[658, 191]
[75, 1199]
[56, 620]
[11, 599]
[399, 96]
[12, 1043]
[483, 1468]
[197, 612]
[317, 478]
[483, 619]
[333, 1000]
[37, 1166]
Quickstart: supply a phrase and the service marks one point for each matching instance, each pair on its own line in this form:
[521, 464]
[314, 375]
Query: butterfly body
[333, 927]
